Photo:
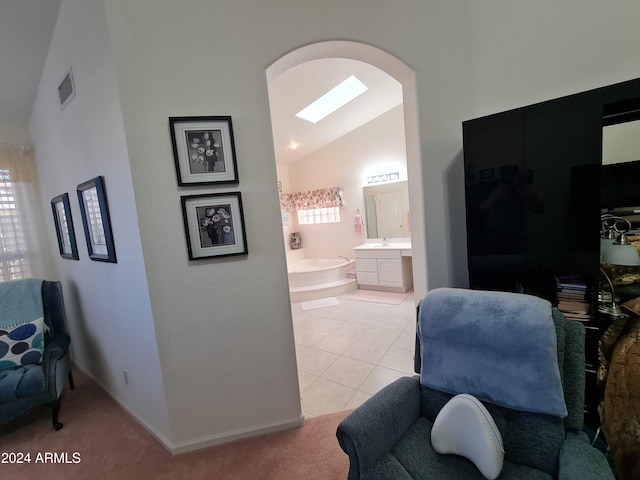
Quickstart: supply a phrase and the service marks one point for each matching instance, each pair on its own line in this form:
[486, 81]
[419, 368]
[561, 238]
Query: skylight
[334, 99]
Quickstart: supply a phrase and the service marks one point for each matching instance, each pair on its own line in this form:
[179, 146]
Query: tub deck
[313, 278]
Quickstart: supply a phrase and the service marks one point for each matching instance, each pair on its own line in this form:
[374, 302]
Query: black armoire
[534, 193]
[533, 189]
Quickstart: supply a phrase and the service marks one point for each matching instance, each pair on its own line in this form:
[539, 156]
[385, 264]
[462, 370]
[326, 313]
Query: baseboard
[148, 427]
[219, 439]
[204, 442]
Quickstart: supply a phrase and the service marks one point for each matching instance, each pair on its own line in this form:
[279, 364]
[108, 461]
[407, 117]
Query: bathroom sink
[390, 245]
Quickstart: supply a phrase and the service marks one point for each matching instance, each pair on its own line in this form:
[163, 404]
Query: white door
[390, 215]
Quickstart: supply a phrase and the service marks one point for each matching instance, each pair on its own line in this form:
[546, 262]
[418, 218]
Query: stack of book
[572, 298]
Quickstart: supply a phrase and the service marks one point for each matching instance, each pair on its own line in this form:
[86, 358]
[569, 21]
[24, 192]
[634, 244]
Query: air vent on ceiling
[66, 90]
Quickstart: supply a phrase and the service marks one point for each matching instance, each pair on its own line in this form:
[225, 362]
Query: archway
[406, 77]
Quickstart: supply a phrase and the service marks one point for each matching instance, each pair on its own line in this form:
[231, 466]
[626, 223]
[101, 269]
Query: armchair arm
[377, 425]
[579, 460]
[56, 347]
[56, 363]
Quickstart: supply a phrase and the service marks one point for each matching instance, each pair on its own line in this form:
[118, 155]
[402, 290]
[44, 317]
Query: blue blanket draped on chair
[489, 347]
[20, 302]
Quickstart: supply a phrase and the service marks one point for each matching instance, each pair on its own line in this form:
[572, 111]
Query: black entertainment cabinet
[534, 194]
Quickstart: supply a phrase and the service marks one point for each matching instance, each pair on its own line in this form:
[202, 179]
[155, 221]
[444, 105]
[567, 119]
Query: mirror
[620, 193]
[621, 142]
[387, 210]
[621, 170]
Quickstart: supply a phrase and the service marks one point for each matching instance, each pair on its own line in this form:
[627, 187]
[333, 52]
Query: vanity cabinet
[384, 268]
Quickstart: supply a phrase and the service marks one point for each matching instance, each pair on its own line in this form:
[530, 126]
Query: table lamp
[618, 252]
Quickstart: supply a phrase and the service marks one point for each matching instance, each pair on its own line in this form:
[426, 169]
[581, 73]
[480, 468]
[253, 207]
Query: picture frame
[214, 225]
[63, 222]
[95, 219]
[204, 150]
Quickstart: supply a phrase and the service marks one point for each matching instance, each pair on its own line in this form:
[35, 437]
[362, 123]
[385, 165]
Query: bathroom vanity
[385, 267]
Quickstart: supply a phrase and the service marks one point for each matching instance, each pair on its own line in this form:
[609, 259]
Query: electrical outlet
[126, 377]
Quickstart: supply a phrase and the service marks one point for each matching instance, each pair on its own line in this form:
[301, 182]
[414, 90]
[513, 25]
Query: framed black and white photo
[203, 150]
[64, 226]
[214, 225]
[95, 218]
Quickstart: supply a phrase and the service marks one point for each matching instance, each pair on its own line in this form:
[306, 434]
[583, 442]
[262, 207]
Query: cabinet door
[495, 175]
[562, 154]
[389, 272]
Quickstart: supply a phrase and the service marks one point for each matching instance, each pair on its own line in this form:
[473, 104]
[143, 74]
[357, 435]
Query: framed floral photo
[95, 219]
[64, 226]
[214, 225]
[203, 150]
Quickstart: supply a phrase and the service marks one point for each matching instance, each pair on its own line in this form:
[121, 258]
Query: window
[13, 261]
[319, 215]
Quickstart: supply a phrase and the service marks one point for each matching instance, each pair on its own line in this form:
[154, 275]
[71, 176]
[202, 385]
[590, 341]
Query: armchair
[491, 345]
[32, 380]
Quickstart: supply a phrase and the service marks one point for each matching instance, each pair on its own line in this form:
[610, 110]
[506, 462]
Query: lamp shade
[619, 254]
[605, 243]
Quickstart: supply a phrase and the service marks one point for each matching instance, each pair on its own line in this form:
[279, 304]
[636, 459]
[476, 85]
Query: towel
[20, 302]
[498, 346]
[358, 224]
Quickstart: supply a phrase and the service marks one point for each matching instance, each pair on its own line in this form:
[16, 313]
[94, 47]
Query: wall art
[95, 218]
[64, 226]
[203, 150]
[214, 225]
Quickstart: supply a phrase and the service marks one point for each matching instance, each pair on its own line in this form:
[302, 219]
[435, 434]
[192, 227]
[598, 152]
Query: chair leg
[72, 385]
[55, 410]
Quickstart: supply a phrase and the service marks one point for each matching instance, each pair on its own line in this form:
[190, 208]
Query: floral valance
[320, 198]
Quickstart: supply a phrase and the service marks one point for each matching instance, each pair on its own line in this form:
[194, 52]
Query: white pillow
[465, 427]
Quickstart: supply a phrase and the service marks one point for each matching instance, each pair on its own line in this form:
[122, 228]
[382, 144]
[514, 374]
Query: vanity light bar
[385, 177]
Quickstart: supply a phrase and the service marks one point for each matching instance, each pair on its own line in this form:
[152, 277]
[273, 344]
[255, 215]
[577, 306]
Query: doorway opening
[348, 349]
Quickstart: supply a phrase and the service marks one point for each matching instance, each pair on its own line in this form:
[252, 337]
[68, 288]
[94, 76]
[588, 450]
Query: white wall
[224, 333]
[108, 308]
[13, 134]
[197, 58]
[526, 52]
[376, 147]
[224, 326]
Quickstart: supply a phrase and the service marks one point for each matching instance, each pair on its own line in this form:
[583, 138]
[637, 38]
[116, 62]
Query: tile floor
[348, 352]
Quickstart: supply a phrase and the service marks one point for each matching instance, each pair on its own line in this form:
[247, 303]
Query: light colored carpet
[319, 303]
[391, 298]
[110, 445]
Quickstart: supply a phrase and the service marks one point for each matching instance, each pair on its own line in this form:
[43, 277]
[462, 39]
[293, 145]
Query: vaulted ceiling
[297, 87]
[26, 27]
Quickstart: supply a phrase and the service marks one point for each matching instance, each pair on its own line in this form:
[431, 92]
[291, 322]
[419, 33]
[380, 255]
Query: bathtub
[311, 278]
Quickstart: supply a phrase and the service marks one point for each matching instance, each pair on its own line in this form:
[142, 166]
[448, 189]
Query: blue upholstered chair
[517, 355]
[34, 355]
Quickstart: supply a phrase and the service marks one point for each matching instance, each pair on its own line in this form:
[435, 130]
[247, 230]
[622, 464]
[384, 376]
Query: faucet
[346, 259]
[385, 240]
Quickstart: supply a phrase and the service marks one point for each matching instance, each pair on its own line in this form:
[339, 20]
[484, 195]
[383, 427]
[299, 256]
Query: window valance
[16, 160]
[320, 198]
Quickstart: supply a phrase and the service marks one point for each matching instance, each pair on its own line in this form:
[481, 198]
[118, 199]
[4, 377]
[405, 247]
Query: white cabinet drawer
[366, 265]
[367, 278]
